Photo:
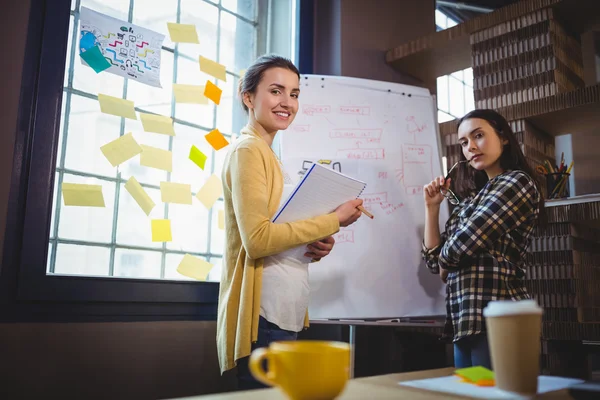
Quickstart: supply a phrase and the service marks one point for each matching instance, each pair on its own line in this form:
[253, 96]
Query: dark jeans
[267, 333]
[472, 351]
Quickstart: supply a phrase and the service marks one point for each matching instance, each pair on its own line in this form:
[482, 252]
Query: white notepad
[319, 192]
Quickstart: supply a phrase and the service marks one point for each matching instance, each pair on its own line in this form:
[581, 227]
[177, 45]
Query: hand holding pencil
[349, 212]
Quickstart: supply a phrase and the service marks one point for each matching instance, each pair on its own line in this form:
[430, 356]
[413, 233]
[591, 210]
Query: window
[455, 91]
[115, 241]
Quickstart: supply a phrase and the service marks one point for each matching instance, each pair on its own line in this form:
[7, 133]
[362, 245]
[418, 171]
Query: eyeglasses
[447, 193]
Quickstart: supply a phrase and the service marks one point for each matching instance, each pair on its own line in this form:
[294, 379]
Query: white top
[285, 289]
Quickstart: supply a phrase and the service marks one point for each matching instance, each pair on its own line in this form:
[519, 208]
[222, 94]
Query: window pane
[469, 76]
[89, 129]
[172, 262]
[238, 40]
[92, 224]
[73, 4]
[441, 19]
[69, 44]
[184, 170]
[444, 117]
[189, 226]
[132, 167]
[188, 72]
[245, 8]
[82, 260]
[54, 200]
[458, 75]
[451, 22]
[133, 226]
[115, 8]
[206, 18]
[62, 128]
[153, 99]
[442, 93]
[457, 97]
[137, 264]
[225, 109]
[215, 273]
[154, 15]
[469, 99]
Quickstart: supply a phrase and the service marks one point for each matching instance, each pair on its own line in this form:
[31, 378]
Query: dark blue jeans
[472, 351]
[267, 333]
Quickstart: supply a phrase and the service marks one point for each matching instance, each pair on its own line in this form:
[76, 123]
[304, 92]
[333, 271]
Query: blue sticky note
[93, 56]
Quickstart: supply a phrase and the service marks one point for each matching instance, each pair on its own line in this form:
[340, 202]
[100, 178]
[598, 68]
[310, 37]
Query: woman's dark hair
[251, 78]
[469, 180]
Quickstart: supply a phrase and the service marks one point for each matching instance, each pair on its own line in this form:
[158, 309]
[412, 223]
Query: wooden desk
[374, 387]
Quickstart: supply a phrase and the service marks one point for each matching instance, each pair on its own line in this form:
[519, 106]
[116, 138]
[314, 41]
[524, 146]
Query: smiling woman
[264, 292]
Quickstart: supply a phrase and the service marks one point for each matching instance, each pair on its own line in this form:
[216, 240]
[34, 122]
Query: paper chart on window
[133, 51]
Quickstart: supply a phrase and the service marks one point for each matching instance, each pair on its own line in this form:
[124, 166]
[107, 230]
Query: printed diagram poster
[133, 51]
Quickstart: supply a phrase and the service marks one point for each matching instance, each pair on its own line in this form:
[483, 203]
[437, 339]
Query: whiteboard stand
[435, 322]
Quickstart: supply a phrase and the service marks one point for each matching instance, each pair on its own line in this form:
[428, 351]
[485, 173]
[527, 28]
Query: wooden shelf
[447, 51]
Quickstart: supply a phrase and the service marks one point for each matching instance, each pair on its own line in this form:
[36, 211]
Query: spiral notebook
[319, 192]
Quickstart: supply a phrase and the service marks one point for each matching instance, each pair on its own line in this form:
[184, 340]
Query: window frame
[27, 293]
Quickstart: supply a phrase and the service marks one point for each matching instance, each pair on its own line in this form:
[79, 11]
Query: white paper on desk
[319, 192]
[453, 384]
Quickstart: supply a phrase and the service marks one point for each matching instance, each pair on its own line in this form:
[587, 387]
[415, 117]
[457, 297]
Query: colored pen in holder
[557, 185]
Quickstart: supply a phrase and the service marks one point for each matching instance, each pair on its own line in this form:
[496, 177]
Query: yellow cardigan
[252, 190]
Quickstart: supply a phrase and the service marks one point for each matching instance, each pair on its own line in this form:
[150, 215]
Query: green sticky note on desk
[94, 58]
[198, 157]
[475, 374]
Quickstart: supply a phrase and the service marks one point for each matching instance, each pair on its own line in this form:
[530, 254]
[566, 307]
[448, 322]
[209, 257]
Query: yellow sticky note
[194, 267]
[120, 150]
[116, 106]
[156, 158]
[161, 230]
[212, 92]
[157, 124]
[242, 72]
[221, 219]
[211, 191]
[139, 195]
[216, 139]
[171, 192]
[78, 194]
[183, 33]
[193, 94]
[213, 68]
[197, 157]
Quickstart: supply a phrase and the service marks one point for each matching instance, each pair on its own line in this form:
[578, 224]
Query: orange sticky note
[216, 139]
[212, 92]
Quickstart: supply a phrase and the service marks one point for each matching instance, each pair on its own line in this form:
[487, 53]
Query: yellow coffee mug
[303, 369]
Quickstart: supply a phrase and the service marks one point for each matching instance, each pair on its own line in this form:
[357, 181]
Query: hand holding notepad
[321, 191]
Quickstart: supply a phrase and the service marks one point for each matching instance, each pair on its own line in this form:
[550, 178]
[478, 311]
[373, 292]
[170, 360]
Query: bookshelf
[527, 64]
[447, 51]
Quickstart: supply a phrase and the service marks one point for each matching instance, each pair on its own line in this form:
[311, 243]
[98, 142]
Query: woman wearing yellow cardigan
[263, 295]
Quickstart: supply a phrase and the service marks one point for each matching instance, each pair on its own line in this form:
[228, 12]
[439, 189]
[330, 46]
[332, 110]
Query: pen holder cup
[557, 185]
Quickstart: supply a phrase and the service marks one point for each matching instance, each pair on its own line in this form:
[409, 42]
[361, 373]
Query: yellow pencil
[368, 214]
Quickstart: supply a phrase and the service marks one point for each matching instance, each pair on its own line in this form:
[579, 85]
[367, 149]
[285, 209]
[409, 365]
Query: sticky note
[116, 106]
[198, 157]
[78, 194]
[171, 192]
[94, 58]
[139, 195]
[156, 158]
[221, 219]
[194, 267]
[120, 150]
[212, 92]
[210, 192]
[193, 94]
[475, 374]
[157, 124]
[161, 230]
[183, 33]
[213, 68]
[216, 139]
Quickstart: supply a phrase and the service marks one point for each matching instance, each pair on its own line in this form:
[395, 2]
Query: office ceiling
[466, 9]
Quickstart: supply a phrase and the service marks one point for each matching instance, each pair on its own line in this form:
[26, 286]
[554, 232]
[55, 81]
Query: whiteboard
[386, 135]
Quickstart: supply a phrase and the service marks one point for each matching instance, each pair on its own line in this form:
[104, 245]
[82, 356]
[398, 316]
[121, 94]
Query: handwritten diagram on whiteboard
[133, 51]
[387, 139]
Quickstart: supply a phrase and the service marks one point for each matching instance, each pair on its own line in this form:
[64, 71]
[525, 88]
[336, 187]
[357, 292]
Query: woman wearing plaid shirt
[481, 253]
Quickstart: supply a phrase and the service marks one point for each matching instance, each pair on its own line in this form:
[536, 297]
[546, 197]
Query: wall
[93, 360]
[361, 32]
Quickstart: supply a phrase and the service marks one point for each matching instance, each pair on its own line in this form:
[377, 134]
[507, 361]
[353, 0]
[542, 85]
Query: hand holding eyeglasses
[432, 192]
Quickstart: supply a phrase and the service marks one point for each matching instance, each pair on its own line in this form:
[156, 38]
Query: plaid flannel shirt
[483, 248]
